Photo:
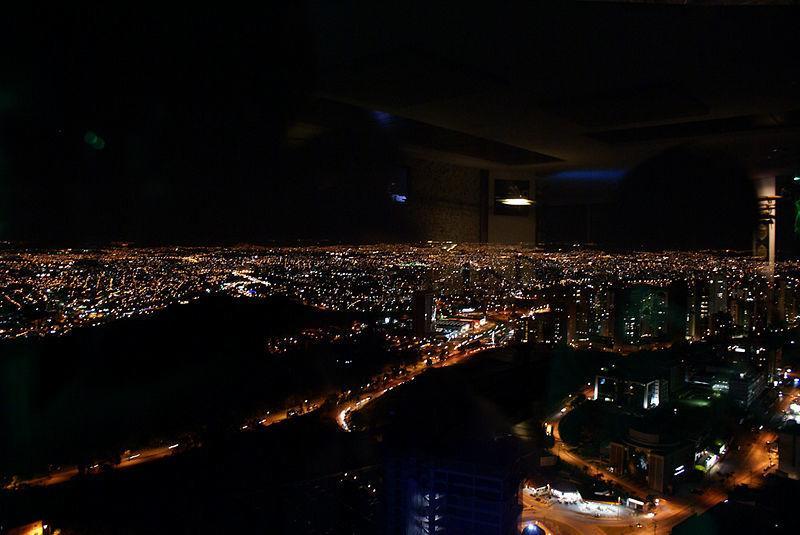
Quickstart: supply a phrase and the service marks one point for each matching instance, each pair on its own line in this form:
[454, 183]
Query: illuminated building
[543, 326]
[639, 384]
[742, 384]
[745, 387]
[631, 393]
[718, 296]
[601, 313]
[578, 315]
[700, 314]
[640, 315]
[461, 492]
[452, 327]
[656, 458]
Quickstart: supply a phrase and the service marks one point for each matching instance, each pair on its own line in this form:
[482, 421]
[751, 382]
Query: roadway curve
[669, 512]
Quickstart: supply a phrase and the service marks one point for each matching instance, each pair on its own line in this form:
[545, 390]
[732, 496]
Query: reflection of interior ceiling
[704, 2]
[329, 114]
[595, 85]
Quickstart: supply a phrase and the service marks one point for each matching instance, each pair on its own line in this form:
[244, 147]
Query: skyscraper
[789, 450]
[640, 314]
[423, 309]
[464, 489]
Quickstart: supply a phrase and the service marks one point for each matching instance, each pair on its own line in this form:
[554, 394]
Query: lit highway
[137, 457]
[141, 456]
[129, 460]
[453, 356]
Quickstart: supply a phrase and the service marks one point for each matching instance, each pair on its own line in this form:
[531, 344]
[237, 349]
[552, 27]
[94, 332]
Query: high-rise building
[465, 275]
[653, 311]
[721, 324]
[789, 450]
[773, 361]
[791, 303]
[518, 269]
[578, 311]
[544, 326]
[424, 312]
[601, 313]
[428, 493]
[743, 310]
[677, 310]
[700, 310]
[777, 309]
[640, 315]
[745, 387]
[718, 295]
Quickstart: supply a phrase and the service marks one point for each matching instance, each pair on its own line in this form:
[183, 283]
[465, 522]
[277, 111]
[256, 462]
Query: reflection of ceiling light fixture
[516, 201]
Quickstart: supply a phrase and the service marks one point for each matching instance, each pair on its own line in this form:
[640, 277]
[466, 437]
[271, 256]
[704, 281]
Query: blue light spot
[589, 174]
[382, 117]
[399, 198]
